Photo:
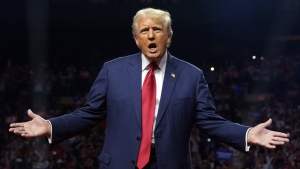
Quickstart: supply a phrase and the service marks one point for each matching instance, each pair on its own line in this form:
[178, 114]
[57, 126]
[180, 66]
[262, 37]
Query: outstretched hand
[261, 136]
[34, 128]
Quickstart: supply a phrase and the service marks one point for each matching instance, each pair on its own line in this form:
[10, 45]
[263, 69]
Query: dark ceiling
[206, 29]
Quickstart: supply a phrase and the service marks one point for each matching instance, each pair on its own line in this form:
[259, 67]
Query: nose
[151, 35]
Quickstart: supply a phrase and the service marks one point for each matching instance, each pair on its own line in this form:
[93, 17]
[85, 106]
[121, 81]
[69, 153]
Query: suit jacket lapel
[135, 80]
[170, 78]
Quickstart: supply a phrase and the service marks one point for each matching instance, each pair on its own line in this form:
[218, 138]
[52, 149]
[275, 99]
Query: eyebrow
[153, 27]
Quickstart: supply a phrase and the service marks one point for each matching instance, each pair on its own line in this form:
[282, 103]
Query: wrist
[48, 128]
[250, 137]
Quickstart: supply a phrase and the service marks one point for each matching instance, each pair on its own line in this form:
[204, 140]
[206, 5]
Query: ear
[169, 38]
[136, 40]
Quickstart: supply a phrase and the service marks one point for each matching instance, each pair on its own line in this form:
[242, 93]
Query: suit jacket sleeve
[86, 117]
[215, 126]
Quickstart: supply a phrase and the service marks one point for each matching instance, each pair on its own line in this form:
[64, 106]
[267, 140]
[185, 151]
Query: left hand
[261, 136]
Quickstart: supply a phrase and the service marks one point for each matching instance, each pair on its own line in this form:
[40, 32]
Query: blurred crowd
[54, 89]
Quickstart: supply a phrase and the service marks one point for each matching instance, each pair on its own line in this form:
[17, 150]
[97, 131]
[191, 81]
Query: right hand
[34, 128]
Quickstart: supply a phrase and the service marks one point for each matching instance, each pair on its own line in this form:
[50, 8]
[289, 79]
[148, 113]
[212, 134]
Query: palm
[36, 127]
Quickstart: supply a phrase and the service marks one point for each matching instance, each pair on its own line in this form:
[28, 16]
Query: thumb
[267, 123]
[31, 114]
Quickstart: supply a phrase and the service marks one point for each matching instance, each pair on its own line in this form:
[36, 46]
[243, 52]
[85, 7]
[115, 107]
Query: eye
[144, 31]
[157, 30]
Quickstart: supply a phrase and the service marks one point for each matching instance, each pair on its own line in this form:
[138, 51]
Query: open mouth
[152, 47]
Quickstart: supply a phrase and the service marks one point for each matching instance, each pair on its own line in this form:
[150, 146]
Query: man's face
[152, 37]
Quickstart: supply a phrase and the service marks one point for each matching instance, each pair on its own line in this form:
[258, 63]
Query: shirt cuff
[247, 147]
[50, 137]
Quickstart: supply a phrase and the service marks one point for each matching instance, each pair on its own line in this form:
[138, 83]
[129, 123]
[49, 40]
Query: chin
[154, 56]
[151, 56]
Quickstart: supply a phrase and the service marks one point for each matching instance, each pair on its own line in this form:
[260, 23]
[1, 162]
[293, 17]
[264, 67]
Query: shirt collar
[161, 63]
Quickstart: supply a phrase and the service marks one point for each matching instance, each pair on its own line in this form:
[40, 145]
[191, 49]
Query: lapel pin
[173, 75]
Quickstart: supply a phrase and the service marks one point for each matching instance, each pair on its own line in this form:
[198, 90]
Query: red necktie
[148, 108]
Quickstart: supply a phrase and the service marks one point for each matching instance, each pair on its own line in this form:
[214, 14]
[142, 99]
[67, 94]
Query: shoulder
[128, 59]
[184, 66]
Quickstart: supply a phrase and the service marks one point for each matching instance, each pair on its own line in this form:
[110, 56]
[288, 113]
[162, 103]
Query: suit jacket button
[133, 162]
[138, 138]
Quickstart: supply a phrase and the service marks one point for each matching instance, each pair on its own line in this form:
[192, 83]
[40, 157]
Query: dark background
[52, 50]
[208, 30]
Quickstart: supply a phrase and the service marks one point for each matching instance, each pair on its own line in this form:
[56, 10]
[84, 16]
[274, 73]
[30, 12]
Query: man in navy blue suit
[181, 99]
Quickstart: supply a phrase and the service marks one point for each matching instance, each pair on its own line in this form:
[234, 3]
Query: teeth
[152, 49]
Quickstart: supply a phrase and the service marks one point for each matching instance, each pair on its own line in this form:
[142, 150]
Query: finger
[11, 130]
[281, 139]
[31, 114]
[21, 129]
[270, 146]
[279, 134]
[26, 135]
[267, 123]
[16, 125]
[276, 142]
[18, 132]
[17, 129]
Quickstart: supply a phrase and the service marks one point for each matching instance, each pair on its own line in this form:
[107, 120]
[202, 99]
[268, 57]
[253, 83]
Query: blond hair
[158, 14]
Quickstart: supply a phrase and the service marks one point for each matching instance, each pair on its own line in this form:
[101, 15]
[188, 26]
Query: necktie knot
[153, 66]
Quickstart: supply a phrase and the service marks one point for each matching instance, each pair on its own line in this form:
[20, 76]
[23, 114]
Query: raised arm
[36, 127]
[261, 136]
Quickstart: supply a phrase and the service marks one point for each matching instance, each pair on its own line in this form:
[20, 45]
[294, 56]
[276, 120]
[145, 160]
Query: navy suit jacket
[116, 97]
